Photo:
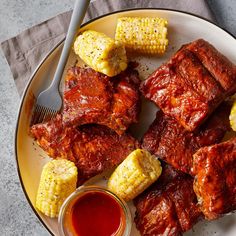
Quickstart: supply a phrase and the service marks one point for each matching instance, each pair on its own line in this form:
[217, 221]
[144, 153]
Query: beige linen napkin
[25, 51]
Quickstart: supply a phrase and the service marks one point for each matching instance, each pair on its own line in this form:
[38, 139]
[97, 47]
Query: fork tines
[42, 114]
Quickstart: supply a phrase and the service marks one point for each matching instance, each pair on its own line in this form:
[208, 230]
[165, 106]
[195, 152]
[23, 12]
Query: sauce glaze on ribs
[169, 206]
[93, 148]
[168, 140]
[91, 97]
[192, 84]
[218, 65]
[214, 168]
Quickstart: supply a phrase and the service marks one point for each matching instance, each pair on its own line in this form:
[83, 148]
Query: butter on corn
[57, 182]
[232, 117]
[137, 172]
[101, 53]
[143, 34]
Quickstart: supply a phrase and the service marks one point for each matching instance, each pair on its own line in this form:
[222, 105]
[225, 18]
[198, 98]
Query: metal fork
[49, 101]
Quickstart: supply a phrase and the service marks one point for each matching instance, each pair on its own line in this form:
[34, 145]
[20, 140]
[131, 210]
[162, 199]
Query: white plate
[183, 28]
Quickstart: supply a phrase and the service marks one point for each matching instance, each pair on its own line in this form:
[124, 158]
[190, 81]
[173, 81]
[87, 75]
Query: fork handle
[75, 22]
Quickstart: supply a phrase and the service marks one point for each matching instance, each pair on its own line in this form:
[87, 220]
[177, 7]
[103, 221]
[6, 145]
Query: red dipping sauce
[96, 212]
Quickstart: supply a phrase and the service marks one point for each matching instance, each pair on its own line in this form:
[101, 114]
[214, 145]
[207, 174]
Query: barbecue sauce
[97, 213]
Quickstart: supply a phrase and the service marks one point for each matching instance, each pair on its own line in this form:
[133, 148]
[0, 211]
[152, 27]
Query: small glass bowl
[64, 219]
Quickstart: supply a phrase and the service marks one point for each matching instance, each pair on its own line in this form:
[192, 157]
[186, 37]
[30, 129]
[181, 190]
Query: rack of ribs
[214, 168]
[169, 207]
[168, 140]
[91, 97]
[192, 84]
[93, 148]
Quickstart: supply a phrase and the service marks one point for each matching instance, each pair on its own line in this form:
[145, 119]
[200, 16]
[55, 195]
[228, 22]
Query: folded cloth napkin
[25, 51]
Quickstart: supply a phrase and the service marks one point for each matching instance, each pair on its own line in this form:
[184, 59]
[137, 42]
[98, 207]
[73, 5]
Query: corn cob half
[57, 182]
[143, 35]
[232, 117]
[101, 53]
[139, 170]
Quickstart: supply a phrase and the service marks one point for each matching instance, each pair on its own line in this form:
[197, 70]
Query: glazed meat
[55, 139]
[99, 148]
[93, 148]
[168, 207]
[214, 168]
[91, 97]
[192, 84]
[218, 65]
[168, 140]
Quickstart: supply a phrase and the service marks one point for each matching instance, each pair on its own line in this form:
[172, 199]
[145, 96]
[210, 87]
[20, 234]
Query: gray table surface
[16, 216]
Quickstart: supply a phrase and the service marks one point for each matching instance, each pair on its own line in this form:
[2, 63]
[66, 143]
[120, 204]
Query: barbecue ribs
[168, 140]
[93, 148]
[214, 168]
[91, 97]
[168, 207]
[192, 84]
[217, 64]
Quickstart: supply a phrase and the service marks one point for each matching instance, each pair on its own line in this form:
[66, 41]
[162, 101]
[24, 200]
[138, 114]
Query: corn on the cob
[101, 53]
[232, 117]
[143, 35]
[57, 182]
[139, 170]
